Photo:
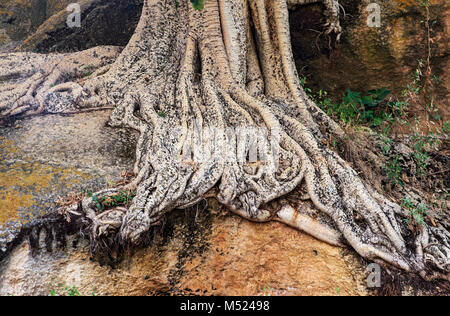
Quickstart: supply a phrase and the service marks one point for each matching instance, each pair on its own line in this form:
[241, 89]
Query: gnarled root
[202, 88]
[34, 83]
[228, 84]
[332, 8]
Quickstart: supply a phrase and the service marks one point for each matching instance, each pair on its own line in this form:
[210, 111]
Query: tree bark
[225, 71]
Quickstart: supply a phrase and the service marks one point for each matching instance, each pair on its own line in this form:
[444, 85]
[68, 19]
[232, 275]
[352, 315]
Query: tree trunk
[203, 87]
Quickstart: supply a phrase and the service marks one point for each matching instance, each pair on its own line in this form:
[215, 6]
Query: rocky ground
[44, 158]
[207, 257]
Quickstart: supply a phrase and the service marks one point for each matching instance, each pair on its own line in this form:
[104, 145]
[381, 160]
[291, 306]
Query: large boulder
[207, 253]
[46, 157]
[40, 25]
[373, 57]
[19, 19]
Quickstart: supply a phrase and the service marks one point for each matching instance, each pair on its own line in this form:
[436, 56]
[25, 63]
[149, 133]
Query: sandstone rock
[19, 19]
[42, 158]
[41, 24]
[213, 255]
[369, 57]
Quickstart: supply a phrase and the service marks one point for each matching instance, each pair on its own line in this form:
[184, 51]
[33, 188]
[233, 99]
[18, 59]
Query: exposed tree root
[33, 83]
[229, 69]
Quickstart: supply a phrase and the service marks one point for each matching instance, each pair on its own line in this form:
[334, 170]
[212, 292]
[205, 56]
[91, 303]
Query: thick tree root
[201, 87]
[34, 83]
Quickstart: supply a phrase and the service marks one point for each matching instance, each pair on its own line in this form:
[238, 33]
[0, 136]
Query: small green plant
[198, 4]
[89, 69]
[386, 143]
[73, 291]
[120, 199]
[64, 290]
[394, 171]
[371, 109]
[338, 291]
[162, 114]
[266, 290]
[445, 127]
[420, 154]
[307, 90]
[441, 201]
[416, 212]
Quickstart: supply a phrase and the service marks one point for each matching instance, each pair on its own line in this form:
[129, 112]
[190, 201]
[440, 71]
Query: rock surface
[205, 252]
[19, 19]
[40, 25]
[370, 57]
[217, 255]
[46, 157]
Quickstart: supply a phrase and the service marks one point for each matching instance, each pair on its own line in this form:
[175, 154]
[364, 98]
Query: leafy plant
[394, 171]
[416, 212]
[198, 4]
[370, 109]
[386, 142]
[267, 290]
[420, 154]
[446, 127]
[89, 69]
[307, 90]
[64, 290]
[120, 199]
[73, 291]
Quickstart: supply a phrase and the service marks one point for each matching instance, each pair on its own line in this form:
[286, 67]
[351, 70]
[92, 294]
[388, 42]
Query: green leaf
[379, 94]
[198, 4]
[377, 121]
[352, 97]
[368, 100]
[383, 93]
